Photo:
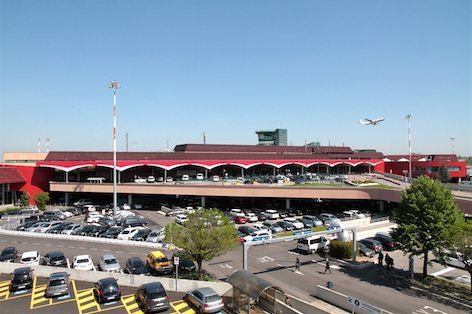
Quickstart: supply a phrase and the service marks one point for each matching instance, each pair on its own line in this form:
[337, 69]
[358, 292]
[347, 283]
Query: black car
[372, 244]
[22, 279]
[283, 213]
[55, 258]
[387, 242]
[84, 230]
[133, 222]
[307, 223]
[107, 290]
[287, 226]
[9, 254]
[152, 297]
[58, 228]
[246, 230]
[141, 235]
[112, 233]
[136, 266]
[106, 221]
[98, 230]
[186, 263]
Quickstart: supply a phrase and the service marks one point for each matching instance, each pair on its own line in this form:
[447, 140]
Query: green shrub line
[9, 209]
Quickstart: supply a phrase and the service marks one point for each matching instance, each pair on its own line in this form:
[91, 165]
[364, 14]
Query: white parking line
[442, 271]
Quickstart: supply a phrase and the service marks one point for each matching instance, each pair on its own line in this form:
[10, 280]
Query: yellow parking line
[4, 291]
[131, 306]
[37, 295]
[80, 301]
[180, 306]
[191, 311]
[4, 283]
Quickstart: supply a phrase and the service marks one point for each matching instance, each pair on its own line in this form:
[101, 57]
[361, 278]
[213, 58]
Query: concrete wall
[341, 300]
[123, 279]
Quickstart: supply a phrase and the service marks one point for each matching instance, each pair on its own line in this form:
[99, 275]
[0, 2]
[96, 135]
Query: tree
[41, 199]
[443, 174]
[206, 234]
[24, 199]
[463, 248]
[428, 219]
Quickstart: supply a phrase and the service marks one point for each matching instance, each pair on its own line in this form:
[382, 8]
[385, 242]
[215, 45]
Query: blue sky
[229, 68]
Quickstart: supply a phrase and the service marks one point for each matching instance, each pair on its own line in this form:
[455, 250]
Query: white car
[259, 235]
[125, 207]
[235, 211]
[272, 214]
[140, 180]
[151, 179]
[297, 224]
[82, 262]
[251, 217]
[125, 213]
[93, 217]
[46, 226]
[127, 233]
[185, 177]
[261, 227]
[66, 213]
[30, 258]
[215, 178]
[199, 176]
[181, 218]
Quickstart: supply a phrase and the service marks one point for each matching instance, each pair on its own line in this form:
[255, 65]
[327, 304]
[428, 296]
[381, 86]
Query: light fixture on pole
[115, 85]
[408, 117]
[453, 145]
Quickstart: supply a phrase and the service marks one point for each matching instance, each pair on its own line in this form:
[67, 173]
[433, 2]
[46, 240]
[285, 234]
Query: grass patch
[8, 209]
[444, 286]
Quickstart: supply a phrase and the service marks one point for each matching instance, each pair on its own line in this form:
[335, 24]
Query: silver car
[109, 263]
[156, 235]
[58, 285]
[206, 300]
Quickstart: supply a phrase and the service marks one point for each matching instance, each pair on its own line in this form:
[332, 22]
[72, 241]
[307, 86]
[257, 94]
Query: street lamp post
[408, 117]
[115, 85]
[453, 145]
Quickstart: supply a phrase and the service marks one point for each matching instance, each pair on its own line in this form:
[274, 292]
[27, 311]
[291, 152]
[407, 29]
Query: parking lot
[80, 300]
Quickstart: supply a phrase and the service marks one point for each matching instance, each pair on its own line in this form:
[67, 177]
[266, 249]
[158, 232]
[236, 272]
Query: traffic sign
[176, 260]
[369, 308]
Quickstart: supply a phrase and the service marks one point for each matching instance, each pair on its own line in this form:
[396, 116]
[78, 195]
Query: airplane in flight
[366, 121]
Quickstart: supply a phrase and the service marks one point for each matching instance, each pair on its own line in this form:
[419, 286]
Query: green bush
[339, 249]
[41, 199]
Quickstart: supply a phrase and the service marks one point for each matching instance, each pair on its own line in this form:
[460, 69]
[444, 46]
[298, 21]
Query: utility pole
[453, 145]
[126, 137]
[408, 117]
[47, 145]
[39, 145]
[115, 85]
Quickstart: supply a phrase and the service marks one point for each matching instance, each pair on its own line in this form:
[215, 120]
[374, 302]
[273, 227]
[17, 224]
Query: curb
[453, 299]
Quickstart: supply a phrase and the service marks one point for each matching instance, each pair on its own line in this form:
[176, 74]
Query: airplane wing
[379, 120]
[368, 120]
[363, 122]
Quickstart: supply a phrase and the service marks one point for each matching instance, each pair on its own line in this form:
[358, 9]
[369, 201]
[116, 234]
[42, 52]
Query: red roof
[10, 175]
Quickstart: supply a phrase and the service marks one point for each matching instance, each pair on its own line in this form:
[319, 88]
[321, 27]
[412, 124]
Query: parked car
[82, 202]
[206, 300]
[260, 227]
[215, 178]
[251, 217]
[141, 235]
[9, 254]
[297, 224]
[261, 217]
[199, 176]
[151, 179]
[93, 217]
[82, 262]
[22, 279]
[98, 230]
[30, 258]
[83, 230]
[34, 226]
[152, 297]
[55, 258]
[46, 226]
[135, 266]
[133, 221]
[273, 227]
[272, 214]
[26, 225]
[58, 284]
[186, 263]
[185, 177]
[316, 222]
[71, 228]
[329, 219]
[159, 263]
[54, 215]
[128, 233]
[258, 235]
[109, 263]
[239, 219]
[169, 179]
[364, 250]
[287, 226]
[107, 290]
[58, 228]
[246, 230]
[372, 244]
[307, 223]
[112, 233]
[181, 218]
[156, 235]
[387, 242]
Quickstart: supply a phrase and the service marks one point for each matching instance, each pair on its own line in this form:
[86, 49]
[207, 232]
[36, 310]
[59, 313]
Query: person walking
[327, 266]
[390, 262]
[297, 265]
[381, 256]
[387, 261]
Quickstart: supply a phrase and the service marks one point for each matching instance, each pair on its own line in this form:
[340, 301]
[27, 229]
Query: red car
[240, 219]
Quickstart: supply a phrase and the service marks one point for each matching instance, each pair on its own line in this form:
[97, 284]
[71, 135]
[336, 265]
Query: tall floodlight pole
[453, 145]
[115, 85]
[408, 117]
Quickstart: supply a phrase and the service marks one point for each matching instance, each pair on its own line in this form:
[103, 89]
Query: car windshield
[110, 261]
[57, 258]
[57, 282]
[84, 260]
[162, 260]
[20, 277]
[213, 298]
[28, 259]
[125, 232]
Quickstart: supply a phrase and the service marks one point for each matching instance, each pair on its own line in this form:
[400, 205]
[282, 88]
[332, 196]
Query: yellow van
[159, 263]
